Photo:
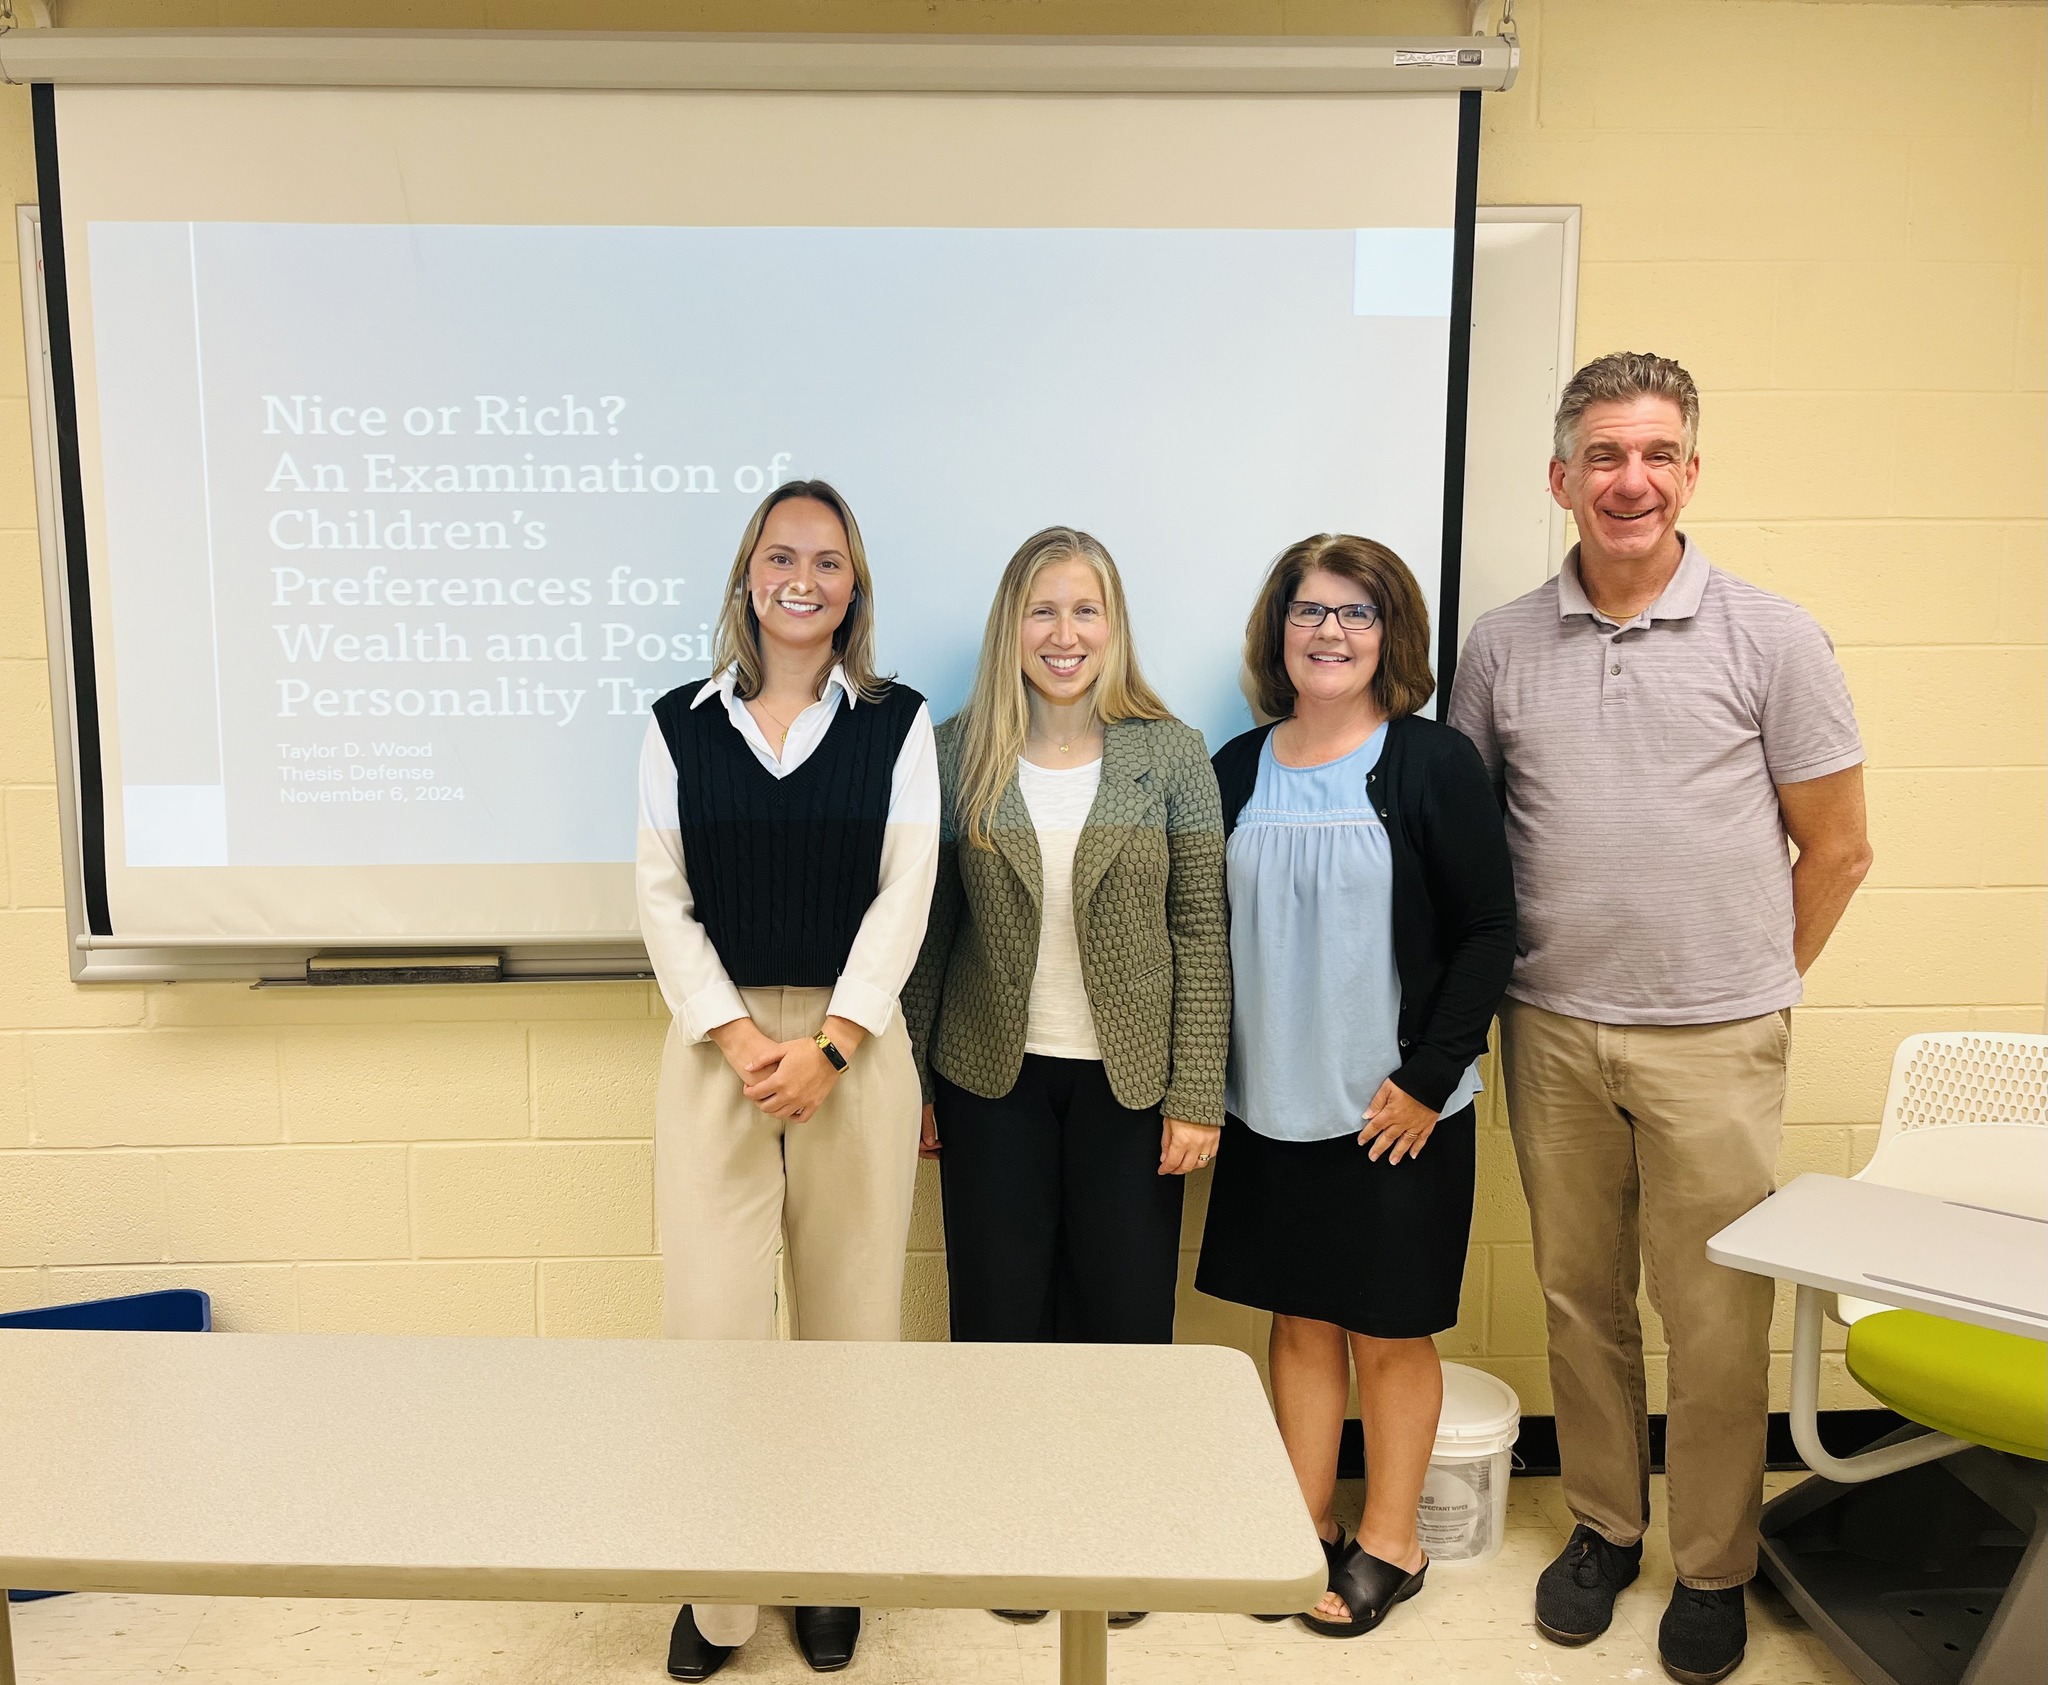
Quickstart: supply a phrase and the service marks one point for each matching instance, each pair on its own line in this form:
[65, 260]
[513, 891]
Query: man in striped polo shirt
[1659, 730]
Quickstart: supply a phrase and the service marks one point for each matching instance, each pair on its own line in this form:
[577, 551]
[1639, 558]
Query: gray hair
[1617, 378]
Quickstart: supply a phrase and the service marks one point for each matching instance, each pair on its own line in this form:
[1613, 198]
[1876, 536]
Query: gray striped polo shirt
[1638, 766]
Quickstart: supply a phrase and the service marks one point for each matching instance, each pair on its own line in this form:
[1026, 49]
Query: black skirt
[1317, 1229]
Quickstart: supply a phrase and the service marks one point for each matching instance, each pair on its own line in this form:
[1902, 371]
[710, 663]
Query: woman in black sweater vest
[788, 841]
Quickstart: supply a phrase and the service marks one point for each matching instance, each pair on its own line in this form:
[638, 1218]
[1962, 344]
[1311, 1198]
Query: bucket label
[1454, 1519]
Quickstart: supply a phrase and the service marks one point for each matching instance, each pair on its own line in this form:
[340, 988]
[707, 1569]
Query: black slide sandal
[1333, 1549]
[1370, 1589]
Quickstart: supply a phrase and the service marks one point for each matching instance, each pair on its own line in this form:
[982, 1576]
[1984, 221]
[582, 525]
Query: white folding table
[1077, 1478]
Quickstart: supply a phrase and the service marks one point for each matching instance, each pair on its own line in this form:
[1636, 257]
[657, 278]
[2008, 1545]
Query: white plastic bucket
[1464, 1508]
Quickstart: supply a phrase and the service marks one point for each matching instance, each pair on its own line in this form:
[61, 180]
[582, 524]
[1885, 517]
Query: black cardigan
[1454, 891]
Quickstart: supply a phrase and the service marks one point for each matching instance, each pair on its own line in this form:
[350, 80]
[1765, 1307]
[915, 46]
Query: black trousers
[1058, 1223]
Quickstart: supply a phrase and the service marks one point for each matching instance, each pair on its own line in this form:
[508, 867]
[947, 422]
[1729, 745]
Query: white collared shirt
[693, 981]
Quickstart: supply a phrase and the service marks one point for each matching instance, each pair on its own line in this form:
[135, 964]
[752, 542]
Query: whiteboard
[1525, 289]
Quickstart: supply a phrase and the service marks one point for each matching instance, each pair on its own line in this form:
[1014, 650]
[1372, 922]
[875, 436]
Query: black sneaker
[1703, 1634]
[1575, 1594]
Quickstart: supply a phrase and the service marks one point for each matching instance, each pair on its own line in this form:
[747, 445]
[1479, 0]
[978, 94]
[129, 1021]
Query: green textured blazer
[1150, 915]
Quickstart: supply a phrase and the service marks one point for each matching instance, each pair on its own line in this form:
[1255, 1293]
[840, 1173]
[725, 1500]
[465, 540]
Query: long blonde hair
[853, 644]
[997, 717]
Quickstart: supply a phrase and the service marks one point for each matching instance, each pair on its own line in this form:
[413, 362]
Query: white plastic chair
[1965, 1119]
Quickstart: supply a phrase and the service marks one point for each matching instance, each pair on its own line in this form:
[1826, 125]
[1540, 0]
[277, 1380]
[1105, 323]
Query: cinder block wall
[1832, 212]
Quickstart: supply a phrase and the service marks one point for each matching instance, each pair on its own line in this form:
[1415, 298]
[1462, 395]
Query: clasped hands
[785, 1078]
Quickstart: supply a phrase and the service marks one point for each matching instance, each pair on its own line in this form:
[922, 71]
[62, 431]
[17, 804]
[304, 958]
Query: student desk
[1877, 1605]
[1897, 1247]
[1078, 1478]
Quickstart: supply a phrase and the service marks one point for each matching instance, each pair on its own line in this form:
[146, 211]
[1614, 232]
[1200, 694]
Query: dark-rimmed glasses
[1352, 617]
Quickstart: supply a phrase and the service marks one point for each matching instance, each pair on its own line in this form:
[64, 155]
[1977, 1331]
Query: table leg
[1084, 1647]
[6, 1644]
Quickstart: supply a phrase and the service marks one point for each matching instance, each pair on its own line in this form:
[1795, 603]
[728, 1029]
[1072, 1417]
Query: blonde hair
[853, 643]
[997, 717]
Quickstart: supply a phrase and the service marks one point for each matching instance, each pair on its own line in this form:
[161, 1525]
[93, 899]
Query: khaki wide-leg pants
[1637, 1143]
[730, 1182]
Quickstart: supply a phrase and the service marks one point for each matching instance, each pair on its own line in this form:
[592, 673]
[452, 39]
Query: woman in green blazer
[1070, 1010]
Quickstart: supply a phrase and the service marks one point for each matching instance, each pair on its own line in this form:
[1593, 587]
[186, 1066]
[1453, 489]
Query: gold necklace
[782, 741]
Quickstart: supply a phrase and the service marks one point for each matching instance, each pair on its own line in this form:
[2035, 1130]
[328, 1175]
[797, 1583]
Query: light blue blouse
[1315, 1018]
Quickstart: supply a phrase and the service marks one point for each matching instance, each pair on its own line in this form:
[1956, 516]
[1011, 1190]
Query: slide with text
[406, 527]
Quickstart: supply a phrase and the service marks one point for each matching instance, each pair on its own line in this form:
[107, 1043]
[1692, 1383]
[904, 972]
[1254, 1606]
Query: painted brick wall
[1833, 213]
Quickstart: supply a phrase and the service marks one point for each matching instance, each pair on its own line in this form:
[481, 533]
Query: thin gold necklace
[782, 741]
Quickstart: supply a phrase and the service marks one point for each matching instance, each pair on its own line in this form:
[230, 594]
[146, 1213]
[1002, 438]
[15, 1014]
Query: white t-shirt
[1059, 1024]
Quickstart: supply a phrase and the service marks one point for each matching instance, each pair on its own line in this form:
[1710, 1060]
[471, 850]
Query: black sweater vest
[783, 870]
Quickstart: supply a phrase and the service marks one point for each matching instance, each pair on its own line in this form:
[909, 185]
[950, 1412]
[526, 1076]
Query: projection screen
[416, 428]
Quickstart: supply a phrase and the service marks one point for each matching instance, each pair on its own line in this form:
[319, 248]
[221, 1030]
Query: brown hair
[1402, 682]
[1615, 379]
[853, 644]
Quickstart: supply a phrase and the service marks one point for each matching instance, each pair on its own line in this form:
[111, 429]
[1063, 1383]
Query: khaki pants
[730, 1182]
[1637, 1143]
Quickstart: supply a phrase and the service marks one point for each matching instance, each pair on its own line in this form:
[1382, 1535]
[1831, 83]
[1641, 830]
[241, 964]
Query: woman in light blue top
[1313, 1042]
[1371, 936]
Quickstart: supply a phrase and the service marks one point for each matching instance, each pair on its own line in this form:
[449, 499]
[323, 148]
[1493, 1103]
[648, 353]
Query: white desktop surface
[1965, 1262]
[1068, 1477]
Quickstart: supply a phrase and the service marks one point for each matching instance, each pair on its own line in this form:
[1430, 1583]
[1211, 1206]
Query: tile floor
[1468, 1627]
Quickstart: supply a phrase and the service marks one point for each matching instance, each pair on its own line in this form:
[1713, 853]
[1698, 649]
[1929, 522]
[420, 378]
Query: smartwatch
[833, 1056]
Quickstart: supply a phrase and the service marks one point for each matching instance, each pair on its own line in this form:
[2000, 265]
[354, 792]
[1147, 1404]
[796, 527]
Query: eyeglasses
[1352, 617]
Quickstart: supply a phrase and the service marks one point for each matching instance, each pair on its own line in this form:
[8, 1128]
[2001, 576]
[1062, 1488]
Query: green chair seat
[1974, 1383]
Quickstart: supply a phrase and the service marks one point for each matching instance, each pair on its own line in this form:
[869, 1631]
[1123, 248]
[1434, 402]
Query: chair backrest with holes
[1966, 1118]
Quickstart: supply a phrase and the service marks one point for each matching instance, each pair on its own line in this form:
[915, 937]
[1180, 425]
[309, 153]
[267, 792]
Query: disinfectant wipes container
[1465, 1494]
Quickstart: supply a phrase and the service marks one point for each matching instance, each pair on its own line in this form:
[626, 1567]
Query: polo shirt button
[1616, 668]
